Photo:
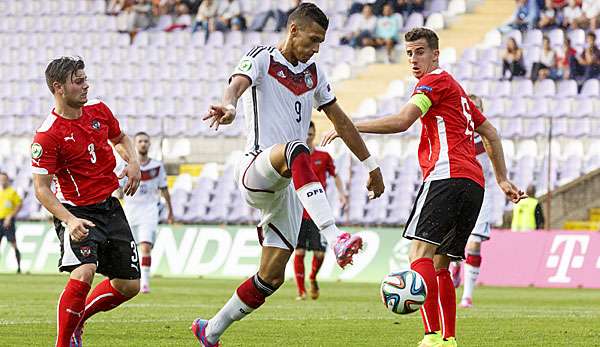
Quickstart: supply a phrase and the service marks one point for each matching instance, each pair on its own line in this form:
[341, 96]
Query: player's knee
[275, 280]
[84, 273]
[300, 251]
[319, 255]
[294, 149]
[128, 288]
[421, 249]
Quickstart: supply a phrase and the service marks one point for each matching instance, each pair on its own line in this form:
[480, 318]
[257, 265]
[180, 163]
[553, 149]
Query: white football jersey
[278, 105]
[485, 214]
[144, 203]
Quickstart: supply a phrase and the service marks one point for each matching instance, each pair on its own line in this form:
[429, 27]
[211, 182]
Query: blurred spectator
[512, 60]
[229, 16]
[526, 15]
[591, 11]
[528, 213]
[182, 18]
[550, 16]
[276, 12]
[132, 15]
[571, 15]
[563, 58]
[363, 31]
[387, 29]
[546, 66]
[587, 65]
[207, 12]
[357, 6]
[401, 7]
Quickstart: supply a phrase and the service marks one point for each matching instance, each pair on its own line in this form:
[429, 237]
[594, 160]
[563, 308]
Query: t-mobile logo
[568, 259]
[314, 192]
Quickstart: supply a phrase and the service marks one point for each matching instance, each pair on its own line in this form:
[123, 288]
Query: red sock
[302, 172]
[103, 298]
[429, 310]
[146, 261]
[299, 272]
[254, 291]
[447, 303]
[473, 260]
[316, 265]
[71, 305]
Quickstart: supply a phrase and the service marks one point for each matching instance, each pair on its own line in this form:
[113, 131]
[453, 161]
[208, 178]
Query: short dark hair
[311, 125]
[592, 34]
[423, 33]
[59, 69]
[2, 173]
[308, 10]
[141, 133]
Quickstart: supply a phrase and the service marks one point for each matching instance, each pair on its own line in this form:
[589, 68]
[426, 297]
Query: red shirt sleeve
[44, 154]
[114, 129]
[433, 86]
[330, 165]
[478, 117]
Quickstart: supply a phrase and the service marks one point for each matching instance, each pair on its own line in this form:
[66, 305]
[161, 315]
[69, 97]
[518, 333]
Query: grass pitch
[347, 314]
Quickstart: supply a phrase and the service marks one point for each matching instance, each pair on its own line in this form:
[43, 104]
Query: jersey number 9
[298, 108]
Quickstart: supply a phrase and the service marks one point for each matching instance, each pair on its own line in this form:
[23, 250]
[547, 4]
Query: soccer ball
[403, 292]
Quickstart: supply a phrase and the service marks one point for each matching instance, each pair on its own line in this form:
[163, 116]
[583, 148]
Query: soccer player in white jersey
[483, 226]
[141, 208]
[279, 88]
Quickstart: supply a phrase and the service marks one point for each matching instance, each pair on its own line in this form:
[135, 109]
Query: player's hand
[511, 191]
[77, 228]
[329, 137]
[134, 175]
[219, 114]
[7, 221]
[375, 184]
[170, 218]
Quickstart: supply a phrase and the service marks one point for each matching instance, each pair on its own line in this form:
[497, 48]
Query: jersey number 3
[92, 153]
[466, 112]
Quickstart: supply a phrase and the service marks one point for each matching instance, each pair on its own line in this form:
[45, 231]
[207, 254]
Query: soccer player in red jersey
[448, 203]
[309, 237]
[71, 148]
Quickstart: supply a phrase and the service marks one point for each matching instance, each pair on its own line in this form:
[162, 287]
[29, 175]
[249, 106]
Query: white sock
[145, 276]
[233, 310]
[331, 234]
[471, 274]
[312, 196]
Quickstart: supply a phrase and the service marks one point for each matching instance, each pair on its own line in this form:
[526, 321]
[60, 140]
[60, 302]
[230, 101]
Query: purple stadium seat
[500, 89]
[522, 88]
[567, 88]
[556, 36]
[577, 37]
[590, 88]
[584, 108]
[538, 108]
[562, 108]
[516, 34]
[533, 38]
[415, 20]
[545, 88]
[518, 108]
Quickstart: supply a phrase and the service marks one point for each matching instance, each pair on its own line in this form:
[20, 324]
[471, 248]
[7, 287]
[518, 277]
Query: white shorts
[481, 232]
[263, 188]
[144, 232]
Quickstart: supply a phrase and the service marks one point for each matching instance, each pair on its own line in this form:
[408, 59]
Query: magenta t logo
[572, 256]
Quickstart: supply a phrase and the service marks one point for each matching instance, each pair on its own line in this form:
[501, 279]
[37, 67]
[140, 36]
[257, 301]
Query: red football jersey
[322, 164]
[77, 152]
[446, 148]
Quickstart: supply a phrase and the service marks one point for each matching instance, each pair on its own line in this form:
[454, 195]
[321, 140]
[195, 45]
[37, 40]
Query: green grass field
[347, 314]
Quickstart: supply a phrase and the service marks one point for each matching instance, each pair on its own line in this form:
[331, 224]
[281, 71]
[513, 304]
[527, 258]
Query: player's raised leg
[293, 159]
[249, 296]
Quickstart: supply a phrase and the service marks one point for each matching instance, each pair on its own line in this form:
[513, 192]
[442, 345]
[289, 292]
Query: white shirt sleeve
[162, 176]
[323, 94]
[253, 65]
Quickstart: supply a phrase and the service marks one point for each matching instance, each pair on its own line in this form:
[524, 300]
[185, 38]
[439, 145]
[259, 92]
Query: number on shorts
[466, 112]
[298, 108]
[92, 153]
[134, 257]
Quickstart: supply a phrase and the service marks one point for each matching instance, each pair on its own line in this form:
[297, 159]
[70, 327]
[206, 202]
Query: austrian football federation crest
[95, 124]
[86, 251]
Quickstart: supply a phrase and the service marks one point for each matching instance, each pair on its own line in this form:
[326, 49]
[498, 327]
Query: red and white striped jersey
[77, 152]
[446, 149]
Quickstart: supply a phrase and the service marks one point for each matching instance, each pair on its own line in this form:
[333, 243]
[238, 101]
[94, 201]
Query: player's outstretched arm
[77, 227]
[493, 147]
[348, 132]
[165, 193]
[224, 113]
[124, 147]
[397, 123]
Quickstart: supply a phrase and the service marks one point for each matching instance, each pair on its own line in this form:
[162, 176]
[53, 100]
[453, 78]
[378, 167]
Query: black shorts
[109, 244]
[444, 214]
[309, 237]
[8, 232]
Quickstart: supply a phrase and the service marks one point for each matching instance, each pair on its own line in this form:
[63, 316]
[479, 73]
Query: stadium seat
[414, 20]
[435, 21]
[545, 88]
[591, 88]
[533, 38]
